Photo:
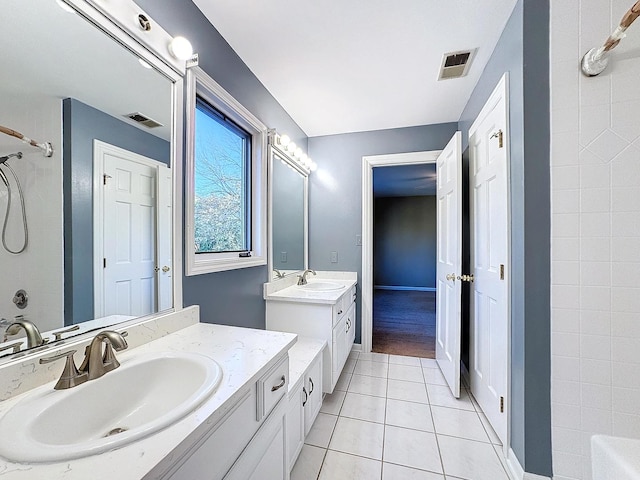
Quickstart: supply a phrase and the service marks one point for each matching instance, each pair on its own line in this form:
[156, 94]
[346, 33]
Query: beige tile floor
[393, 418]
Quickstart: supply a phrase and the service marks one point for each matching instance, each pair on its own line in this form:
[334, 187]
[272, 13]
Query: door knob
[466, 278]
[452, 277]
[165, 269]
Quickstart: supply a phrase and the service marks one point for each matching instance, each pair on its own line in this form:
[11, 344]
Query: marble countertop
[298, 294]
[301, 355]
[244, 355]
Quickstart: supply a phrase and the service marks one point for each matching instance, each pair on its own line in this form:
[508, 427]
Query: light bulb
[284, 140]
[291, 147]
[298, 152]
[181, 48]
[313, 167]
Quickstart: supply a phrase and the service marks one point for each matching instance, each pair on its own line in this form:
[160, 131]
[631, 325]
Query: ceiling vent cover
[143, 120]
[455, 64]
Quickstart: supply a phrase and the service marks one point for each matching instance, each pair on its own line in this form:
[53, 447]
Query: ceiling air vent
[455, 64]
[143, 120]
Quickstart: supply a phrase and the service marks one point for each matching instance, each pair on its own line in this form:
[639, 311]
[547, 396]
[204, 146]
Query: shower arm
[595, 60]
[46, 147]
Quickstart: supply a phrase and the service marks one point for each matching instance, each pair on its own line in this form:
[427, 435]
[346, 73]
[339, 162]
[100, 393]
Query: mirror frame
[274, 150]
[119, 21]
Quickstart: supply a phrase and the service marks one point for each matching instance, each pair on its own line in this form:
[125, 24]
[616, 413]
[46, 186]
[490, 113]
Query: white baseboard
[516, 472]
[357, 347]
[401, 289]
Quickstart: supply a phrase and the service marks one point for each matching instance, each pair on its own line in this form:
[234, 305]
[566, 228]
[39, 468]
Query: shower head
[7, 157]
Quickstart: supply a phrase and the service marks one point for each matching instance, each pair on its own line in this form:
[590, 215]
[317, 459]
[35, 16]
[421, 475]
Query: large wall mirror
[98, 212]
[288, 208]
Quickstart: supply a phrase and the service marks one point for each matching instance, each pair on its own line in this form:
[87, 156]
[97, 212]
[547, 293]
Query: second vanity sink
[146, 394]
[322, 286]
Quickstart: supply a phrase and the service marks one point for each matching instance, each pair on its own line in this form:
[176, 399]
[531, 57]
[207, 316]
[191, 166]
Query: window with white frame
[225, 201]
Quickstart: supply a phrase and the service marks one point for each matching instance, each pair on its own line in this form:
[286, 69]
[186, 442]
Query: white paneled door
[489, 310]
[449, 255]
[132, 233]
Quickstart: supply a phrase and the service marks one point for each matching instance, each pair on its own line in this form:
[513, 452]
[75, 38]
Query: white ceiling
[345, 66]
[47, 51]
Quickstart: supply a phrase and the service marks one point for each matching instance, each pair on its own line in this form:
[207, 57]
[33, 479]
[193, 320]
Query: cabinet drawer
[342, 305]
[272, 387]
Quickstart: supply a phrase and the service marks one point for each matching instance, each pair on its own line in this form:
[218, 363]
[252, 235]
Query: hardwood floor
[404, 323]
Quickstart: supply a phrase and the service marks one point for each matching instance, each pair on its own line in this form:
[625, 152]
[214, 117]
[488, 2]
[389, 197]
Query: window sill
[201, 267]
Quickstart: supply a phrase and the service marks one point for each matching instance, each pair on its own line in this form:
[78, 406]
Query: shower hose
[6, 216]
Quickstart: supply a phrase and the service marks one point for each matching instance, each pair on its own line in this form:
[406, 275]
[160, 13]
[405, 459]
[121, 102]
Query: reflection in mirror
[97, 213]
[288, 181]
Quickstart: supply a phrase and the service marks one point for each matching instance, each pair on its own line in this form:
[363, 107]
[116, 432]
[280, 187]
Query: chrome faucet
[279, 274]
[34, 339]
[302, 279]
[96, 363]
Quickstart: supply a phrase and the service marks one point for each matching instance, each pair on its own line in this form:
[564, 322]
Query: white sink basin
[321, 286]
[146, 394]
[615, 458]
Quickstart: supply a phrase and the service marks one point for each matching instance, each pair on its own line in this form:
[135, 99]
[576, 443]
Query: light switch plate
[283, 257]
[334, 257]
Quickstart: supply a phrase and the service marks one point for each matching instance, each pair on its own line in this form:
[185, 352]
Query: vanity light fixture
[181, 48]
[293, 152]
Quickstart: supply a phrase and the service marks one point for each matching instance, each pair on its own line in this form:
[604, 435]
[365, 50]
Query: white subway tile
[566, 416]
[565, 273]
[565, 392]
[595, 224]
[565, 249]
[595, 200]
[565, 320]
[607, 145]
[596, 347]
[596, 421]
[594, 120]
[566, 345]
[625, 299]
[626, 350]
[626, 425]
[595, 298]
[625, 119]
[595, 249]
[625, 325]
[565, 201]
[595, 274]
[593, 322]
[566, 177]
[566, 369]
[565, 296]
[596, 396]
[595, 175]
[595, 371]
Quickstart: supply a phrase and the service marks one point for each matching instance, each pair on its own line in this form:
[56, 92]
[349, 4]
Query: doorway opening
[404, 260]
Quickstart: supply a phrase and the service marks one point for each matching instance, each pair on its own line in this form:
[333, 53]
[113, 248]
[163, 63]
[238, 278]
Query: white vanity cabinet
[249, 441]
[332, 321]
[305, 394]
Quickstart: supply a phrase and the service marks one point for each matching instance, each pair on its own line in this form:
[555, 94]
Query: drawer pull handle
[340, 312]
[311, 382]
[306, 397]
[283, 380]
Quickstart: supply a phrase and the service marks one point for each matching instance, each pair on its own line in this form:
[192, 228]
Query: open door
[449, 253]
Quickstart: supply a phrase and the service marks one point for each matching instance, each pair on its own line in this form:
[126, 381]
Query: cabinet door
[339, 355]
[351, 327]
[313, 381]
[295, 424]
[265, 457]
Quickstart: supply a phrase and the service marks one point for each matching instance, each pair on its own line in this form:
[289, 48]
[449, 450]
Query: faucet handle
[70, 375]
[15, 346]
[58, 334]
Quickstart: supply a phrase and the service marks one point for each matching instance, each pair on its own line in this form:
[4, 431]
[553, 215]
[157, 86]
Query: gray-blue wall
[335, 189]
[523, 51]
[81, 125]
[404, 241]
[234, 297]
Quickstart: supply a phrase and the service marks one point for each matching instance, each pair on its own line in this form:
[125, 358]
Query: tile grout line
[435, 434]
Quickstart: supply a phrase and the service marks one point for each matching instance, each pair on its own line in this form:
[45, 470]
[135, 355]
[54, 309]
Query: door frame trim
[368, 164]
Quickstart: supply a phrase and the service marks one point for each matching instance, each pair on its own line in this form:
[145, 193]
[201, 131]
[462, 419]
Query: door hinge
[104, 178]
[104, 263]
[502, 271]
[500, 135]
[501, 404]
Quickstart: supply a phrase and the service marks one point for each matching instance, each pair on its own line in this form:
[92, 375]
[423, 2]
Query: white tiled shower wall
[595, 166]
[38, 270]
